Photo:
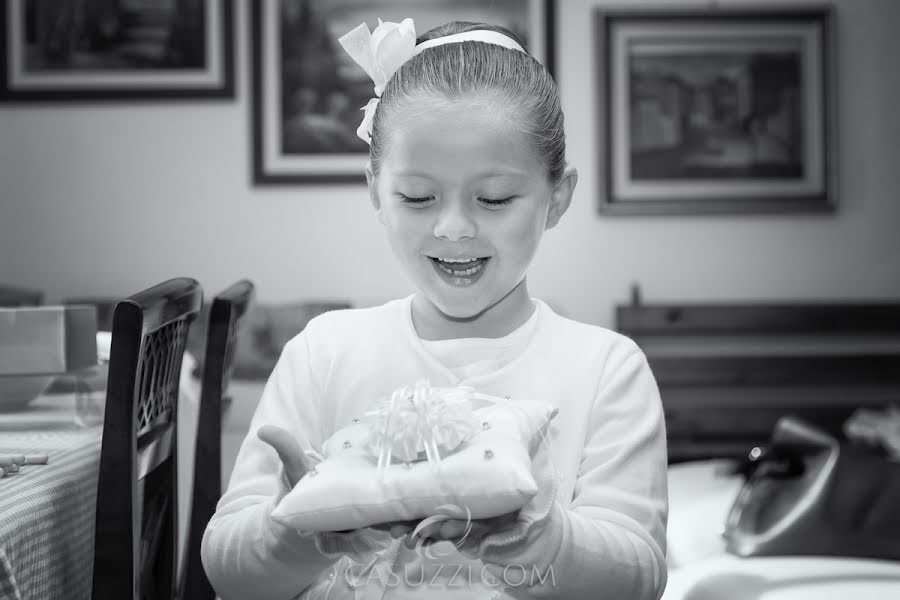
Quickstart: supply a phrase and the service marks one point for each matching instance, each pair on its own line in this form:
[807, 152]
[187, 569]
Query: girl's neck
[501, 319]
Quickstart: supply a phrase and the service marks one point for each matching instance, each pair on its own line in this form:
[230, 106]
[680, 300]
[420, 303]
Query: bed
[726, 373]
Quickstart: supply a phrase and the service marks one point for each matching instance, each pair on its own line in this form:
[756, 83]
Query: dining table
[47, 511]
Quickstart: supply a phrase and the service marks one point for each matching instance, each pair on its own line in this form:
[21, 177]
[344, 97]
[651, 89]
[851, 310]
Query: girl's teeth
[465, 273]
[460, 267]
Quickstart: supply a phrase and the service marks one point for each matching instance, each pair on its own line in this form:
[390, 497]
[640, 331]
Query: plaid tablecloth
[47, 511]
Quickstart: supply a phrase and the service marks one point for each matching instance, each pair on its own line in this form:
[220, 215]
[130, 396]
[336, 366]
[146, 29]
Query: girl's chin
[462, 311]
[458, 308]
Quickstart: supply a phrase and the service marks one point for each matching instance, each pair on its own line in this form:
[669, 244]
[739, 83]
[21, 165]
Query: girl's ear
[561, 196]
[373, 191]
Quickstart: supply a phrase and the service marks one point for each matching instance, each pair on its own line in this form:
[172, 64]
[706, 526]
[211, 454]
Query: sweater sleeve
[244, 552]
[613, 536]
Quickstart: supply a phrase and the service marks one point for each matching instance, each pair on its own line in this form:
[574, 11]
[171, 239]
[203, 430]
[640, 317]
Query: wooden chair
[225, 316]
[136, 529]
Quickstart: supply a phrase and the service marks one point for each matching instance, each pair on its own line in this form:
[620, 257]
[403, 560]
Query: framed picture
[307, 92]
[116, 49]
[716, 111]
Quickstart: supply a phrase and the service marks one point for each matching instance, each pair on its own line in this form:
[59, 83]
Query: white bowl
[16, 391]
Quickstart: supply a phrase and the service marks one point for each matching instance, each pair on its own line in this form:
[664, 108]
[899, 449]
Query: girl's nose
[454, 223]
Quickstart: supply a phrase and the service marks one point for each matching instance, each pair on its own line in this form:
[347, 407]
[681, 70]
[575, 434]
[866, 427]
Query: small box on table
[47, 339]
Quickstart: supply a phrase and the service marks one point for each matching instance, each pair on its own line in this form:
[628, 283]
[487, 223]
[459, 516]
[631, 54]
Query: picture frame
[716, 111]
[307, 91]
[109, 50]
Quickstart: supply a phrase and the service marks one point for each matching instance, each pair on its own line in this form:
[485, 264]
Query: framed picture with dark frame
[116, 50]
[716, 111]
[307, 92]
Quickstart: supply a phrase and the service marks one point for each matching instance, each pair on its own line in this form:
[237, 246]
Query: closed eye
[491, 202]
[415, 200]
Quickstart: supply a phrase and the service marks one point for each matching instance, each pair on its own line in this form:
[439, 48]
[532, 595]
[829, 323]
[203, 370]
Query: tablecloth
[47, 511]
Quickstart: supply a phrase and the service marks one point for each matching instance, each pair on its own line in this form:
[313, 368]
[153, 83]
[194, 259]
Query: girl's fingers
[453, 529]
[288, 450]
[400, 529]
[429, 527]
[456, 528]
[444, 527]
[395, 528]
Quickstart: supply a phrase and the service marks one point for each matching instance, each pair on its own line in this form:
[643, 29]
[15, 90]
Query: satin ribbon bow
[421, 419]
[380, 53]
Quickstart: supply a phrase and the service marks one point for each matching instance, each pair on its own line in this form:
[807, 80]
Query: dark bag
[812, 494]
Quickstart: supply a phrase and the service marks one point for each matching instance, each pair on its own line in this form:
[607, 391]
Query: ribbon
[421, 419]
[379, 53]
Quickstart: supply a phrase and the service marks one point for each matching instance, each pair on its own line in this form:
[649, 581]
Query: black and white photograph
[116, 49]
[307, 91]
[450, 300]
[703, 109]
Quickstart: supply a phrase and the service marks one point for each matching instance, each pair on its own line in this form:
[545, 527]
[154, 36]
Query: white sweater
[608, 445]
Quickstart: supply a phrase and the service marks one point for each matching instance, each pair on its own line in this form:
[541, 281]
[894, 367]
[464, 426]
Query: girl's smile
[461, 272]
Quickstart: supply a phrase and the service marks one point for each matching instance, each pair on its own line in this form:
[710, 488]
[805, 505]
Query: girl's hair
[513, 78]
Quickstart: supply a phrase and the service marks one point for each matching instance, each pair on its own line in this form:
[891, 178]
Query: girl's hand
[534, 532]
[445, 528]
[396, 528]
[452, 525]
[296, 463]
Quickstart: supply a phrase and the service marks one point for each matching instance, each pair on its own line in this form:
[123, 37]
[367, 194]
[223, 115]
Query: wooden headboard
[727, 372]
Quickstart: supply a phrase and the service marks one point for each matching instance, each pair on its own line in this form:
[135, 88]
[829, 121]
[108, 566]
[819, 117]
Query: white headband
[383, 51]
[480, 35]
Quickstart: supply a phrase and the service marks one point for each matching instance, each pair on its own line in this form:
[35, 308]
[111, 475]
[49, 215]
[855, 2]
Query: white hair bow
[380, 53]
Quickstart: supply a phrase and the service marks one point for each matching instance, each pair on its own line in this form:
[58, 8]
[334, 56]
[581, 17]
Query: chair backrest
[225, 316]
[136, 529]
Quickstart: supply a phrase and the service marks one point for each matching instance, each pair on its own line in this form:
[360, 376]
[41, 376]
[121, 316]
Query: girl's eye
[415, 200]
[496, 202]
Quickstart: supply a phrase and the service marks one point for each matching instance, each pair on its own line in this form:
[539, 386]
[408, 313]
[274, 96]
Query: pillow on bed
[484, 462]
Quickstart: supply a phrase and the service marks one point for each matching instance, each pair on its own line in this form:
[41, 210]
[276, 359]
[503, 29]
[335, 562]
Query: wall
[109, 198]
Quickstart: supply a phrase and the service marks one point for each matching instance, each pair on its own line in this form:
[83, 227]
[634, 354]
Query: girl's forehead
[458, 135]
[435, 111]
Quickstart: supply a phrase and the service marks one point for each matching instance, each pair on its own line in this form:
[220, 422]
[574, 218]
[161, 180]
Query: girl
[467, 170]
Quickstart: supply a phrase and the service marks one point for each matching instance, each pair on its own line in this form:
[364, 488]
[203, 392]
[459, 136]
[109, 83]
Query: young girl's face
[465, 200]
